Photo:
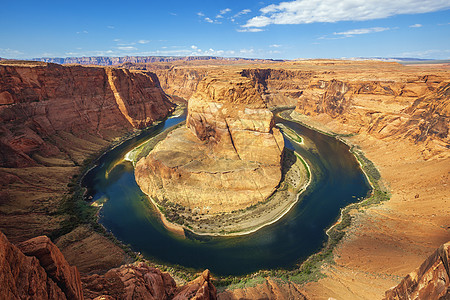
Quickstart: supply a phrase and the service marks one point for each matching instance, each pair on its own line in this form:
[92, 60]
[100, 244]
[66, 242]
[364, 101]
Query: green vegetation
[239, 282]
[75, 210]
[144, 149]
[310, 270]
[291, 133]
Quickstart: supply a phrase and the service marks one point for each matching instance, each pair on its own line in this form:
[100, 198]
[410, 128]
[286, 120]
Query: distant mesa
[112, 61]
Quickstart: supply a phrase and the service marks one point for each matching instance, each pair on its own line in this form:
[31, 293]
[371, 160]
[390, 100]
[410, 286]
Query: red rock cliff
[52, 118]
[36, 269]
[39, 272]
[38, 101]
[430, 281]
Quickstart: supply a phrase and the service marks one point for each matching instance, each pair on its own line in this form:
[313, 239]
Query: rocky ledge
[430, 281]
[36, 269]
[227, 158]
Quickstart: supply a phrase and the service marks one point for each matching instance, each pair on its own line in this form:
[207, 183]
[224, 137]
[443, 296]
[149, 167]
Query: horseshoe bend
[220, 172]
[226, 159]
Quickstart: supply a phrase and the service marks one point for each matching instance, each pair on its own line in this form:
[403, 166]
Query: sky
[245, 28]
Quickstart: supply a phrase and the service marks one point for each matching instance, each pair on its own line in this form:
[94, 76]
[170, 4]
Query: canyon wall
[227, 158]
[418, 109]
[52, 118]
[42, 100]
[36, 269]
[430, 281]
[181, 82]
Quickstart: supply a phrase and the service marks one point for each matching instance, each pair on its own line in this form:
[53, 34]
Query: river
[337, 181]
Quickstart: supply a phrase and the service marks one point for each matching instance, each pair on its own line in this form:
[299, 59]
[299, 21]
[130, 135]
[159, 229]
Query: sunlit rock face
[430, 281]
[228, 156]
[39, 101]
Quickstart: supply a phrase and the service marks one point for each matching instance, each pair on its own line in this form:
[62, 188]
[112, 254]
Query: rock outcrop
[430, 281]
[269, 289]
[36, 269]
[52, 118]
[418, 109]
[227, 158]
[54, 263]
[41, 100]
[139, 281]
[40, 272]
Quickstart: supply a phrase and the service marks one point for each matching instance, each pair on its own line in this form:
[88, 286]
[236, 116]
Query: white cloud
[431, 53]
[127, 48]
[209, 20]
[194, 47]
[353, 32]
[110, 27]
[247, 51]
[311, 11]
[416, 26]
[275, 46]
[10, 53]
[239, 14]
[250, 30]
[143, 41]
[200, 14]
[242, 12]
[222, 12]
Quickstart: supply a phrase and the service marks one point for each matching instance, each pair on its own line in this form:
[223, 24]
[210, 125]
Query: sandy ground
[388, 241]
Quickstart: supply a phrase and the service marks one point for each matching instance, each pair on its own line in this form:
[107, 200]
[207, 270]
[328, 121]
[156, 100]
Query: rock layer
[40, 273]
[52, 118]
[36, 269]
[42, 100]
[430, 281]
[139, 281]
[54, 263]
[227, 158]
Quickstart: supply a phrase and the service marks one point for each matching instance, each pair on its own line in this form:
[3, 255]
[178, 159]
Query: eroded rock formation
[54, 117]
[139, 281]
[269, 289]
[39, 271]
[227, 158]
[418, 109]
[36, 269]
[430, 281]
[39, 101]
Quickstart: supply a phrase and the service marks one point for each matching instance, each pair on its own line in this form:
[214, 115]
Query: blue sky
[256, 29]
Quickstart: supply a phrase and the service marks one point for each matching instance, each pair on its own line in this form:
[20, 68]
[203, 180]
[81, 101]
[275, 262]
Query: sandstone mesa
[227, 158]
